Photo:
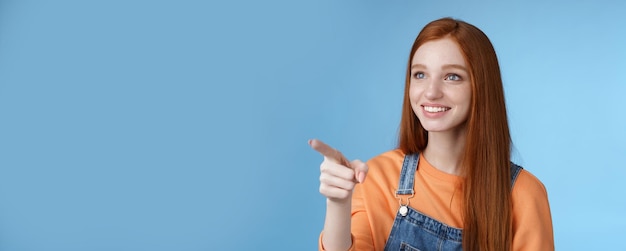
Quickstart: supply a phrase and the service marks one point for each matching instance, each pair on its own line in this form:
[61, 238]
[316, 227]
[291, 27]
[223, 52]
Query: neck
[445, 150]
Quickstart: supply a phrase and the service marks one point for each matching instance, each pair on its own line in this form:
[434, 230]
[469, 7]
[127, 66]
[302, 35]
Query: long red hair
[487, 218]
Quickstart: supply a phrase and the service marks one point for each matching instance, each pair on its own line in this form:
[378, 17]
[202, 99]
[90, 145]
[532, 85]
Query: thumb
[360, 170]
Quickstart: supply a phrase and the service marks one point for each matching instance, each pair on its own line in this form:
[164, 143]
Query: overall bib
[413, 230]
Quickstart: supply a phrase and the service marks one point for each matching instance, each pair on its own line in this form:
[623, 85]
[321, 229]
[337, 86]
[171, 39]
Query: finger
[334, 192]
[328, 152]
[360, 170]
[334, 169]
[334, 181]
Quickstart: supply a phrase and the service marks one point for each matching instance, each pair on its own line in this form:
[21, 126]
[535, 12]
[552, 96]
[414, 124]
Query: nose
[433, 90]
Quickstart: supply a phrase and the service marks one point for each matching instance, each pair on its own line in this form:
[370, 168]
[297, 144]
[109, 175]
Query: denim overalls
[413, 230]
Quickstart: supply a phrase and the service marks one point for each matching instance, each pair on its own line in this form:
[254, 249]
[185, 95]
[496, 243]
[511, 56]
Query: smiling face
[440, 88]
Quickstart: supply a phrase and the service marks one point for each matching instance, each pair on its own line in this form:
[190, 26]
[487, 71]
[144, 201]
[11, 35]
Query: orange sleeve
[532, 221]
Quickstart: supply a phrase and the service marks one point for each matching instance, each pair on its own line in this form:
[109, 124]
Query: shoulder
[529, 194]
[532, 220]
[384, 160]
[385, 167]
[527, 185]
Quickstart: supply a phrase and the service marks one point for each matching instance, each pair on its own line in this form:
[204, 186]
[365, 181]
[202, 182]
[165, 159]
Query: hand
[338, 176]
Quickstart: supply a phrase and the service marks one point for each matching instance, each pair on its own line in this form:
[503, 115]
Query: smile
[436, 108]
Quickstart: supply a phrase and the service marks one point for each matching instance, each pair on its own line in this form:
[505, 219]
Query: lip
[434, 115]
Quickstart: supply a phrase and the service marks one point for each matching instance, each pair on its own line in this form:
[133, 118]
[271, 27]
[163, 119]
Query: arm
[336, 233]
[337, 180]
[361, 232]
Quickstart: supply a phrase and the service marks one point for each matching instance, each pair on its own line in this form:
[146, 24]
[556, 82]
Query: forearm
[337, 225]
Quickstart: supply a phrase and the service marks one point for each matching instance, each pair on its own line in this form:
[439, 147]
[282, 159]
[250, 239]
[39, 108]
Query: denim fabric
[416, 231]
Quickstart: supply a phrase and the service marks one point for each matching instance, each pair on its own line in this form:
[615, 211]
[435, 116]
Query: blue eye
[419, 75]
[453, 77]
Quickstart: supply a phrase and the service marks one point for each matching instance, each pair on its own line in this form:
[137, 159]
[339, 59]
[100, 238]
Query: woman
[450, 185]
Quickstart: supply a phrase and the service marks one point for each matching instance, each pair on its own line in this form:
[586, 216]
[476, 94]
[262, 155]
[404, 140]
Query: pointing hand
[338, 176]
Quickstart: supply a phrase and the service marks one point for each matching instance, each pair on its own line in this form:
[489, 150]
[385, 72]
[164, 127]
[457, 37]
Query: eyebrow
[446, 66]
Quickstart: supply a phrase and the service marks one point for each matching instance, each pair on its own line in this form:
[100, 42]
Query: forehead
[439, 52]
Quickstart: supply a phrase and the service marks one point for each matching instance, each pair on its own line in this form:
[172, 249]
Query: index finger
[328, 151]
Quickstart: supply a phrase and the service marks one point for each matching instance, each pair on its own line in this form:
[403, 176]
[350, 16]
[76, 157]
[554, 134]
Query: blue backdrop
[183, 125]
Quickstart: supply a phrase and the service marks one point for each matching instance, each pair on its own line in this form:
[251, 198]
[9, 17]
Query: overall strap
[409, 166]
[407, 175]
[515, 170]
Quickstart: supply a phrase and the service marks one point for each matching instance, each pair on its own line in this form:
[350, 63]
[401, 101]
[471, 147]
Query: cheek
[467, 96]
[465, 101]
[414, 96]
[414, 93]
[462, 95]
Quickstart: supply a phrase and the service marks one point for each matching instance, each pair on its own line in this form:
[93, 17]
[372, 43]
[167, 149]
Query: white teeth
[435, 109]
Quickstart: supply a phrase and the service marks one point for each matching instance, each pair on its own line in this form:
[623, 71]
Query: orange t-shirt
[438, 195]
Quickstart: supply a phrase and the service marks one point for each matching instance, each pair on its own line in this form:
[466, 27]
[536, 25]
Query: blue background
[182, 125]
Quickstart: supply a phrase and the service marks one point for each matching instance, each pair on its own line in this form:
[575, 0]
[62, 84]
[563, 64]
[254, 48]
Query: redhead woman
[450, 184]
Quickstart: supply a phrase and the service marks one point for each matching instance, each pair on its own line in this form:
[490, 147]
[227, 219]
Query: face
[440, 88]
